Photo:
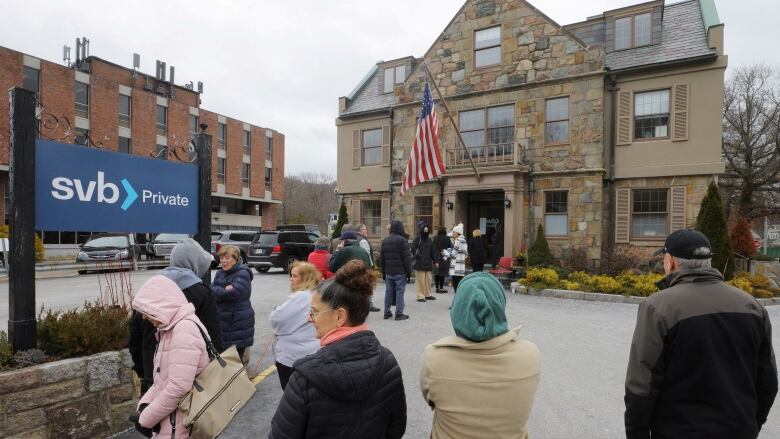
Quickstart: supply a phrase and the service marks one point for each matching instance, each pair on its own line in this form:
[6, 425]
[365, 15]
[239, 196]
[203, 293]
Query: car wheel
[289, 263]
[82, 271]
[262, 269]
[243, 258]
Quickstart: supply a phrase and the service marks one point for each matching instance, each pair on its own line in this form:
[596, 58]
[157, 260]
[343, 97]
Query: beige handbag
[217, 394]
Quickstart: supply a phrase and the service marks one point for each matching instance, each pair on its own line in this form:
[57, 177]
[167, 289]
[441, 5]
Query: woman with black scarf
[440, 243]
[424, 258]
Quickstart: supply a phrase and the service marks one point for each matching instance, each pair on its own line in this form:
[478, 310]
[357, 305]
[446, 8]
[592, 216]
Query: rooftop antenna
[200, 87]
[136, 61]
[173, 70]
[84, 48]
[66, 55]
[78, 50]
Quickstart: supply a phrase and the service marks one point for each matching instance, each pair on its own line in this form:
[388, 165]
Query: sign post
[21, 258]
[203, 151]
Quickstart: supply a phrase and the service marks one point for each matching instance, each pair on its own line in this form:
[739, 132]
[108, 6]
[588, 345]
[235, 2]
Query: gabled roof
[366, 96]
[684, 36]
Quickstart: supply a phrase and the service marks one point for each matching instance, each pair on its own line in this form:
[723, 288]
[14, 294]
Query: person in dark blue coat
[232, 287]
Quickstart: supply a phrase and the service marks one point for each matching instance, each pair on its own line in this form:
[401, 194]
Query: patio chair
[504, 271]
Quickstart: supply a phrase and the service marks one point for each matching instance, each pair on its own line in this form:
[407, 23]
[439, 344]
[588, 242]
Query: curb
[516, 288]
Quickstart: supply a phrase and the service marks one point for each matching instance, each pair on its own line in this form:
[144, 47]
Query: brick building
[106, 105]
[606, 132]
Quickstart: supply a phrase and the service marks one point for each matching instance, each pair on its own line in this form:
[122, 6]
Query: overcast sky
[282, 64]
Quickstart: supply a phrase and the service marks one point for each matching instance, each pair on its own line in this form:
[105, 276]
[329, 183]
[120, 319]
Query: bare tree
[309, 198]
[751, 142]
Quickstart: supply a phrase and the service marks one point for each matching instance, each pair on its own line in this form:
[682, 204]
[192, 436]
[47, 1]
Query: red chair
[504, 267]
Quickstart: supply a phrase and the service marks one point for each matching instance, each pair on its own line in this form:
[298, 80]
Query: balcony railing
[487, 155]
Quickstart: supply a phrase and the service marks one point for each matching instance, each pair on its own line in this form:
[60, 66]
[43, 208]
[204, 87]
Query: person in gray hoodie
[189, 263]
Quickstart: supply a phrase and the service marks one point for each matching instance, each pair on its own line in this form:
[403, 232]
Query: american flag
[425, 159]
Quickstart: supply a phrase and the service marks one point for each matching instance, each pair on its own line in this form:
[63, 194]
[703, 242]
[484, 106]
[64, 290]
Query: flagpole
[452, 121]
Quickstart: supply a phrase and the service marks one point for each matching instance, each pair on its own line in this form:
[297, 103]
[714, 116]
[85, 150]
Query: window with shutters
[651, 115]
[556, 116]
[649, 213]
[633, 31]
[371, 216]
[487, 47]
[372, 147]
[423, 212]
[556, 213]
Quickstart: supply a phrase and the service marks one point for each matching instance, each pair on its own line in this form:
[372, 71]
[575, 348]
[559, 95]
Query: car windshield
[266, 239]
[171, 237]
[107, 241]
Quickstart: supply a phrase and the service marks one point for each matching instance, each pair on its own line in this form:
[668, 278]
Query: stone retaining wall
[86, 397]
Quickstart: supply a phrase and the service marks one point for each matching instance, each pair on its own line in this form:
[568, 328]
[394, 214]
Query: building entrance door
[486, 213]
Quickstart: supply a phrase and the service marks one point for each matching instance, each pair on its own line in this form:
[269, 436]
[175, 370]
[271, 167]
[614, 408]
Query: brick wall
[104, 112]
[178, 130]
[234, 158]
[57, 96]
[257, 168]
[144, 123]
[277, 175]
[10, 76]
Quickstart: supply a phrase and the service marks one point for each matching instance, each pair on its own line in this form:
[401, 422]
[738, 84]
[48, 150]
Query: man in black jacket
[701, 362]
[395, 258]
[189, 263]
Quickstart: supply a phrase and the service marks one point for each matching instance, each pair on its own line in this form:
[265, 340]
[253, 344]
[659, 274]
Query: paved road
[584, 349]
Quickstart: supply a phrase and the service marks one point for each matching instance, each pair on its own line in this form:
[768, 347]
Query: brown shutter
[385, 215]
[624, 118]
[355, 149]
[678, 208]
[355, 214]
[680, 119]
[385, 145]
[622, 216]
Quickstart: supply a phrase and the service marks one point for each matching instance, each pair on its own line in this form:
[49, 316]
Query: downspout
[612, 89]
[390, 183]
[441, 202]
[531, 190]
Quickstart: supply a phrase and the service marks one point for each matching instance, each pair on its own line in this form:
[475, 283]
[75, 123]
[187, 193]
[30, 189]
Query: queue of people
[701, 362]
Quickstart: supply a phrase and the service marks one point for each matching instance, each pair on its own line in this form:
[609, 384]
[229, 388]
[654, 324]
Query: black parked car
[108, 250]
[280, 248]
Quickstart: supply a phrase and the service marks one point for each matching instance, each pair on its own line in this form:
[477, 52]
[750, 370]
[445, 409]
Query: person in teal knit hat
[482, 381]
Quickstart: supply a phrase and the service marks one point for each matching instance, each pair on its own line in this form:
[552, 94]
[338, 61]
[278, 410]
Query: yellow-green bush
[39, 254]
[605, 284]
[569, 285]
[639, 284]
[741, 283]
[580, 277]
[542, 277]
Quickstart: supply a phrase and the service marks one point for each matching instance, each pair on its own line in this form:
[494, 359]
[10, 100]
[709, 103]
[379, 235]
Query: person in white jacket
[295, 336]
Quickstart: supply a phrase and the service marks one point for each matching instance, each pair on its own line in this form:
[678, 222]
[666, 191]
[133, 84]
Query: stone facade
[83, 397]
[538, 60]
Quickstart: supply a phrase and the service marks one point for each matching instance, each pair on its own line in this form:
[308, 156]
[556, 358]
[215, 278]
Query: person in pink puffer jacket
[181, 355]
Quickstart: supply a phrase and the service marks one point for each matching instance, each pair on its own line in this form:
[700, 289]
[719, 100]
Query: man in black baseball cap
[701, 361]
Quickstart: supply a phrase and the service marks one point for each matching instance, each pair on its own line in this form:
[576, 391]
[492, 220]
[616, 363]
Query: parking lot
[584, 348]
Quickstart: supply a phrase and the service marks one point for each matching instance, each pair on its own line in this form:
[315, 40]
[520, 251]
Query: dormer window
[394, 76]
[487, 47]
[633, 31]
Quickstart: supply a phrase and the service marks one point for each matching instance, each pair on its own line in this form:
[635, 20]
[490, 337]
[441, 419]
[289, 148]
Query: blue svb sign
[80, 188]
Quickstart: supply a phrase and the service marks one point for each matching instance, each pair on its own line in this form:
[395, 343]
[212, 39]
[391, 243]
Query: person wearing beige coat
[482, 381]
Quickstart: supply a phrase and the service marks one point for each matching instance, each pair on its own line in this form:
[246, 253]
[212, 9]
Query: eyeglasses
[312, 313]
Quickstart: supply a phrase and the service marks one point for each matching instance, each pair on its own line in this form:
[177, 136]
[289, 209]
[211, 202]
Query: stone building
[121, 109]
[605, 131]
